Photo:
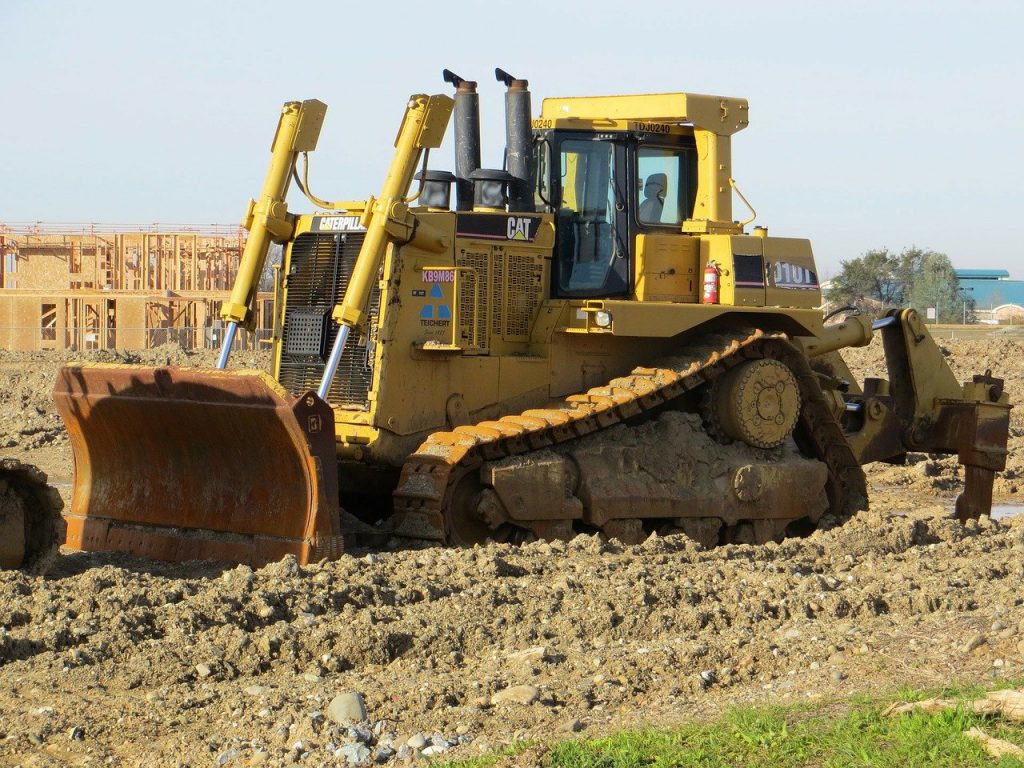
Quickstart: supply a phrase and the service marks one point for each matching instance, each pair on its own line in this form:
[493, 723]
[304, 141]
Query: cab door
[591, 251]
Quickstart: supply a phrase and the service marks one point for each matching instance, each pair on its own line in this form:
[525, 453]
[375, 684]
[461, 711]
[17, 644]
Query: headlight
[602, 319]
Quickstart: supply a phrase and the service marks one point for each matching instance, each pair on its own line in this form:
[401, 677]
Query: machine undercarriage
[637, 456]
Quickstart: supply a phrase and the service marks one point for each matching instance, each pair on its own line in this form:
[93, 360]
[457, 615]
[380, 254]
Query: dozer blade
[189, 464]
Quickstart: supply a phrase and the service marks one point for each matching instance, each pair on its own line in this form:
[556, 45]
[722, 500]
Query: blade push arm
[267, 219]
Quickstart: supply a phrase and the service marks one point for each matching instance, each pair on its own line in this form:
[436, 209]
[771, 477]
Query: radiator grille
[319, 271]
[523, 275]
[510, 290]
[473, 286]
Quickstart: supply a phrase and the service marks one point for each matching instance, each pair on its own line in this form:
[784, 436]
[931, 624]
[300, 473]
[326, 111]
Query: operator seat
[654, 198]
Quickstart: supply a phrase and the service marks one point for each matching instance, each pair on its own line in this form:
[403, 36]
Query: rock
[534, 655]
[361, 735]
[417, 741]
[405, 753]
[255, 690]
[839, 675]
[975, 642]
[707, 678]
[571, 726]
[228, 755]
[998, 626]
[434, 749]
[347, 708]
[517, 694]
[77, 733]
[383, 754]
[354, 754]
[203, 670]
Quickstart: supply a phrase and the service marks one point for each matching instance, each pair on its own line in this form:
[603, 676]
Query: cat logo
[337, 224]
[519, 227]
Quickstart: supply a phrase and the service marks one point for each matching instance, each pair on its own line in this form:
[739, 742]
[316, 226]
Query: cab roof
[722, 115]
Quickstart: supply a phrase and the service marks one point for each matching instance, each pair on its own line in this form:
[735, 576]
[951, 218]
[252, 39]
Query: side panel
[740, 262]
[666, 267]
[792, 277]
[456, 333]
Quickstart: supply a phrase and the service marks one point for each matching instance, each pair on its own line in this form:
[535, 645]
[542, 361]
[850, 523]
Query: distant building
[997, 298]
[84, 287]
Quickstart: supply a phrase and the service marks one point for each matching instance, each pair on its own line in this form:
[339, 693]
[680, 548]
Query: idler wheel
[473, 515]
[758, 403]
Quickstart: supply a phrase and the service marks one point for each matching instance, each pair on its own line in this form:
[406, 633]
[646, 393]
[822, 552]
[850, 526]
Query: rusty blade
[182, 464]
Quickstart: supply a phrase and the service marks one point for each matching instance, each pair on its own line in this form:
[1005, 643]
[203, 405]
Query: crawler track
[426, 490]
[31, 527]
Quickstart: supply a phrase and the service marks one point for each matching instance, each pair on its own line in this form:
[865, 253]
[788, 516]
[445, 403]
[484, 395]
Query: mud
[669, 470]
[122, 661]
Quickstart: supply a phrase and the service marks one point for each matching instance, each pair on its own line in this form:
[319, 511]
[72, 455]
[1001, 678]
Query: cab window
[586, 218]
[664, 185]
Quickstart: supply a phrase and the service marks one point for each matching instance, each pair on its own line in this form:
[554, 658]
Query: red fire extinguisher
[711, 281]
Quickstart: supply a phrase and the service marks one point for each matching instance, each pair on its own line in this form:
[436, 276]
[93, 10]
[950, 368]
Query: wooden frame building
[66, 286]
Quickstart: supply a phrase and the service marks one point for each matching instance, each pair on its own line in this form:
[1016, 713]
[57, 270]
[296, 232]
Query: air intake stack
[518, 141]
[467, 137]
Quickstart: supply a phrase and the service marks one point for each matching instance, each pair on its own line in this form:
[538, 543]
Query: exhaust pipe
[467, 137]
[518, 141]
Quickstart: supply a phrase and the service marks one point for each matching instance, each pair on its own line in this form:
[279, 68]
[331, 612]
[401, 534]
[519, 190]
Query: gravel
[380, 656]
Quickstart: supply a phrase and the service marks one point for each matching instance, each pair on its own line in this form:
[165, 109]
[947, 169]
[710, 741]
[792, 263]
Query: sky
[872, 124]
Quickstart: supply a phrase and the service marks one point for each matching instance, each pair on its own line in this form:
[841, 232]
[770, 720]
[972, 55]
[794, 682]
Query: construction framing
[81, 287]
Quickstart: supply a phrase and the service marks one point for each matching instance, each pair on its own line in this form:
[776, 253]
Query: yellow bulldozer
[582, 341]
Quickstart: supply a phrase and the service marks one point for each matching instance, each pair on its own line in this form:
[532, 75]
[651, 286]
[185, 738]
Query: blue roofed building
[997, 298]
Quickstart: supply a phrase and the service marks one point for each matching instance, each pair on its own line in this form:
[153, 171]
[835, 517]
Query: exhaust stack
[467, 137]
[518, 141]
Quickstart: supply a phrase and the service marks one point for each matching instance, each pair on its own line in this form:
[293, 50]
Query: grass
[781, 737]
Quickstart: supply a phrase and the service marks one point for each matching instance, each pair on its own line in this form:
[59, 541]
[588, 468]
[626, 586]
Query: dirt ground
[111, 660]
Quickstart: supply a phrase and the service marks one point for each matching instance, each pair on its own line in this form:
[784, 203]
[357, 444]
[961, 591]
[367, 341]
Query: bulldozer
[584, 340]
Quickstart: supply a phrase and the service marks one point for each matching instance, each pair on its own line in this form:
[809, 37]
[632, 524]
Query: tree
[936, 285]
[868, 283]
[267, 276]
[880, 280]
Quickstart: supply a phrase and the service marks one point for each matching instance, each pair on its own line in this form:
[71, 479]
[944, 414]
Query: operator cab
[604, 189]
